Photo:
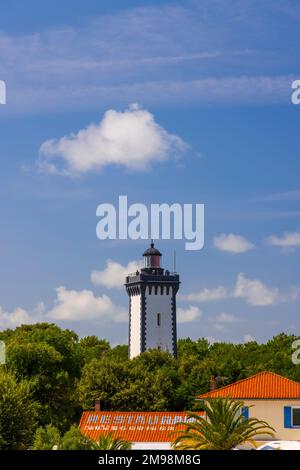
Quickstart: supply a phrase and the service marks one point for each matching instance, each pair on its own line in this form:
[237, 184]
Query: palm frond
[223, 427]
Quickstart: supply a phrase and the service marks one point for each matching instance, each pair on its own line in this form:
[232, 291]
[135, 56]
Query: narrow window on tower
[158, 319]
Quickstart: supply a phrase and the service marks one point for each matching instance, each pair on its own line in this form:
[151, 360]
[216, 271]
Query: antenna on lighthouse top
[174, 261]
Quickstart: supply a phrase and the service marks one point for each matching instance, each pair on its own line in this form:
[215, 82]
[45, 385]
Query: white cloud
[188, 315]
[130, 138]
[220, 321]
[20, 316]
[113, 276]
[248, 338]
[232, 243]
[207, 295]
[286, 196]
[69, 305]
[17, 317]
[255, 292]
[133, 54]
[211, 340]
[83, 305]
[287, 240]
[226, 318]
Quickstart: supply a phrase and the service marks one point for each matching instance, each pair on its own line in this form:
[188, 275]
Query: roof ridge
[282, 377]
[135, 412]
[230, 385]
[211, 392]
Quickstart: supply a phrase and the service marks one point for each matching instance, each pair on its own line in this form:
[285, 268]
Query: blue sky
[215, 74]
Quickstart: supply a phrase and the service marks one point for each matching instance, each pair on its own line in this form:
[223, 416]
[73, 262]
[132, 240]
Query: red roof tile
[264, 385]
[132, 426]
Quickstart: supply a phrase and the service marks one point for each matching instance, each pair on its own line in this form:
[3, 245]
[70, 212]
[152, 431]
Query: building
[152, 306]
[145, 430]
[272, 398]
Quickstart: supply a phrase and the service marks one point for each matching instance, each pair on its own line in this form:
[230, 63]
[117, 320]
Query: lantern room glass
[152, 261]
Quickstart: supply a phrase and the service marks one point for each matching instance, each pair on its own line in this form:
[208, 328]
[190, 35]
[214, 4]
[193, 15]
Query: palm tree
[224, 427]
[109, 442]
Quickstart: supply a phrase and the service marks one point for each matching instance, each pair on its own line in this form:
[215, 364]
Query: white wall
[151, 446]
[272, 412]
[159, 336]
[135, 327]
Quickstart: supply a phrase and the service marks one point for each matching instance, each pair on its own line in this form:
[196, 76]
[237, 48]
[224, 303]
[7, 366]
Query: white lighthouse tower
[152, 306]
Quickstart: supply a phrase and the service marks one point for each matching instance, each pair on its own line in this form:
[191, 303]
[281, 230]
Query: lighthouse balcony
[147, 276]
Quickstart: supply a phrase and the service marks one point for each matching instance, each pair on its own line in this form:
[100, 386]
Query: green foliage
[75, 440]
[119, 352]
[47, 438]
[93, 348]
[50, 359]
[109, 442]
[223, 428]
[145, 383]
[64, 375]
[18, 412]
[157, 381]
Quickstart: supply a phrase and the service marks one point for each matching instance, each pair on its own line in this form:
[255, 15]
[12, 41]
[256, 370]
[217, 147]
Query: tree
[50, 358]
[198, 349]
[49, 438]
[224, 427]
[93, 348]
[18, 412]
[46, 438]
[101, 380]
[144, 391]
[75, 440]
[109, 442]
[119, 352]
[66, 375]
[127, 385]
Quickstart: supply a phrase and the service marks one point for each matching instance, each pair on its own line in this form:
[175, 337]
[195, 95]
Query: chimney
[97, 405]
[212, 383]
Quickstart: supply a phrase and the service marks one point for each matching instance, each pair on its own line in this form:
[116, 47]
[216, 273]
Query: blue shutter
[287, 417]
[245, 412]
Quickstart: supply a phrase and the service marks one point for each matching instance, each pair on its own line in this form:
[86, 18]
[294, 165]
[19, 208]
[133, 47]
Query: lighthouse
[152, 306]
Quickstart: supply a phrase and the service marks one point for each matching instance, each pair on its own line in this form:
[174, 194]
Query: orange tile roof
[264, 385]
[133, 426]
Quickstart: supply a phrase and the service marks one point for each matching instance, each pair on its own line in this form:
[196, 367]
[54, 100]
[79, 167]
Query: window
[158, 319]
[296, 417]
[245, 412]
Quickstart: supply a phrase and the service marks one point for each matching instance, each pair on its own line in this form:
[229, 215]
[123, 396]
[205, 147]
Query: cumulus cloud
[226, 318]
[232, 243]
[289, 240]
[207, 295]
[255, 292]
[20, 316]
[187, 315]
[113, 276]
[248, 338]
[130, 138]
[220, 321]
[15, 318]
[211, 340]
[75, 305]
[69, 305]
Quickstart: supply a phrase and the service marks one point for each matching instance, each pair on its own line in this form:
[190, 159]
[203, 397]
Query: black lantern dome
[152, 251]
